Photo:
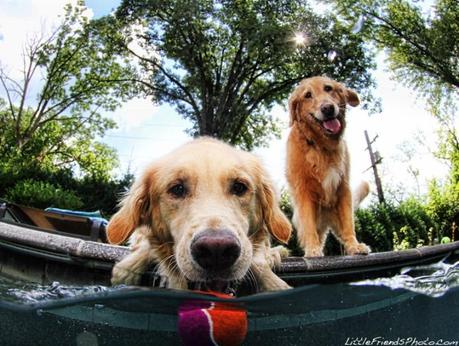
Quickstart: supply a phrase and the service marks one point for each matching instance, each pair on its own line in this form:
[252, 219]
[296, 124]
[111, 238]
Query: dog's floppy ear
[352, 98]
[273, 218]
[134, 211]
[292, 107]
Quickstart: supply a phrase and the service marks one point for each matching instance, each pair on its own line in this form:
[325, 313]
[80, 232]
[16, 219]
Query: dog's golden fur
[165, 225]
[318, 166]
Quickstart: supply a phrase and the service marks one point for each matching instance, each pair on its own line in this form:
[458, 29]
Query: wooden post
[374, 163]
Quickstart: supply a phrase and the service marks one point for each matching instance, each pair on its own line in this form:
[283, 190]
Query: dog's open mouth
[332, 126]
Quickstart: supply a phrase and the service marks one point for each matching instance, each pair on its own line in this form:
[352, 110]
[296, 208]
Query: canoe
[48, 247]
[37, 255]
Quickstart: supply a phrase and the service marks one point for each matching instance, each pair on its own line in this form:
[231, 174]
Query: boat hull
[34, 255]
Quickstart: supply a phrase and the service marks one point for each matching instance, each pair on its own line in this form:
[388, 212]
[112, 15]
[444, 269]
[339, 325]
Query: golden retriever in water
[204, 213]
[318, 166]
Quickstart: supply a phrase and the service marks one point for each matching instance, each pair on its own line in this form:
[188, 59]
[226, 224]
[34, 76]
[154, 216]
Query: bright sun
[300, 39]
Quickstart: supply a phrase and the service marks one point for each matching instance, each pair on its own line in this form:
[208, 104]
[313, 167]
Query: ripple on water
[35, 293]
[433, 280]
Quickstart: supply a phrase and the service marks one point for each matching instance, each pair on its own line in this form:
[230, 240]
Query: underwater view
[420, 306]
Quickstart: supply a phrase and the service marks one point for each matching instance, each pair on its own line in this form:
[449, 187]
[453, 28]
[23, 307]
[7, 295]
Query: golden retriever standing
[204, 213]
[318, 166]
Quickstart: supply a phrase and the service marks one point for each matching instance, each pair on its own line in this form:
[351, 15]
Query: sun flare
[300, 39]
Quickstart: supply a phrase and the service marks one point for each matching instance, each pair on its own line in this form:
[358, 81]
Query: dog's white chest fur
[332, 180]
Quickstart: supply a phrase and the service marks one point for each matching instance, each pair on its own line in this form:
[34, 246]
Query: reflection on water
[433, 280]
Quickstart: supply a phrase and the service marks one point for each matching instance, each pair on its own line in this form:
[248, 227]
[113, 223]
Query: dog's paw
[282, 285]
[275, 284]
[125, 276]
[280, 252]
[283, 251]
[276, 254]
[313, 253]
[358, 249]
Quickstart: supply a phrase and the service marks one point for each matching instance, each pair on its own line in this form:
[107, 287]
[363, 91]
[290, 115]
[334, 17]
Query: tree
[58, 129]
[225, 64]
[422, 49]
[423, 53]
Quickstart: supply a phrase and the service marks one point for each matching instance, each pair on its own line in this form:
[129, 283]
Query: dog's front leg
[130, 269]
[346, 232]
[263, 261]
[306, 224]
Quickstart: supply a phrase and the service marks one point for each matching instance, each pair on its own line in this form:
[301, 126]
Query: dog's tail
[360, 193]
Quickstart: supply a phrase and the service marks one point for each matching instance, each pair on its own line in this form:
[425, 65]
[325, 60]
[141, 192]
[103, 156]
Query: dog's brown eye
[178, 190]
[308, 95]
[238, 188]
[328, 88]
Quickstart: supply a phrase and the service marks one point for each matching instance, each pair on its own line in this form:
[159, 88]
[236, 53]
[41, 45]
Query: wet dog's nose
[328, 110]
[215, 249]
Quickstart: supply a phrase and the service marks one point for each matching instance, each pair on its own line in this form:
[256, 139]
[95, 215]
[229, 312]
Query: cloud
[22, 20]
[133, 114]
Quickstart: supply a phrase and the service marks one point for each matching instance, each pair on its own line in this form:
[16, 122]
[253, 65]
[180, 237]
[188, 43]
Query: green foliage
[375, 227]
[384, 227]
[103, 195]
[422, 48]
[225, 64]
[74, 75]
[443, 208]
[49, 155]
[42, 195]
[95, 193]
[286, 204]
[445, 240]
[58, 145]
[387, 226]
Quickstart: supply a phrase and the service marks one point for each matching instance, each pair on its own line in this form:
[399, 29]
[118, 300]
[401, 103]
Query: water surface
[421, 302]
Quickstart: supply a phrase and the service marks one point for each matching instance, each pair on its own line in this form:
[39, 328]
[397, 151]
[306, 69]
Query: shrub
[387, 227]
[41, 194]
[384, 227]
[103, 195]
[94, 193]
[443, 208]
[373, 227]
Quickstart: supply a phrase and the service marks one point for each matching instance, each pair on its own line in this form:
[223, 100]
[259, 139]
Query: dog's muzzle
[330, 121]
[215, 250]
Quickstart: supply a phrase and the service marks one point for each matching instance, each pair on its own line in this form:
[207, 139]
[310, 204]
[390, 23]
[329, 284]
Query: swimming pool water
[418, 307]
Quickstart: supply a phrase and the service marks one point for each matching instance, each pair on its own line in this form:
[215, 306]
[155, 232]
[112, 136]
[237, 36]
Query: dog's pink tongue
[333, 125]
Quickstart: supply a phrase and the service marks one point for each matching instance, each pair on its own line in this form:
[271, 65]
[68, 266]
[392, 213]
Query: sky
[147, 131]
